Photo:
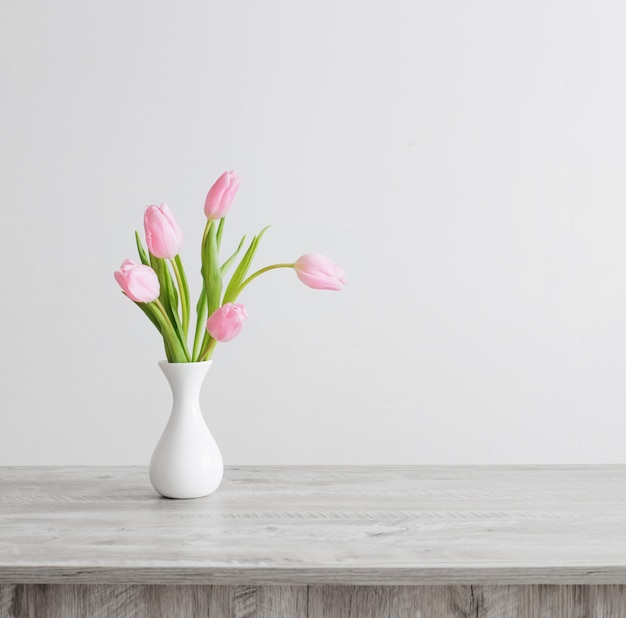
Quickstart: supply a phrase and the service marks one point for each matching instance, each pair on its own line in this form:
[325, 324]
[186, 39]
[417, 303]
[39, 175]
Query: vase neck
[185, 380]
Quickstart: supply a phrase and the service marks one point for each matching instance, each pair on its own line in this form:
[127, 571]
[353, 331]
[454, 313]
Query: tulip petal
[226, 323]
[163, 234]
[221, 195]
[320, 273]
[139, 282]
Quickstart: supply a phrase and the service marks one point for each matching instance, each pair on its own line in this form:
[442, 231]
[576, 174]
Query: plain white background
[465, 162]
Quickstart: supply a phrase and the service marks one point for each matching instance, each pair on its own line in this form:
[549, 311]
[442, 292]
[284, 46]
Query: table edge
[89, 574]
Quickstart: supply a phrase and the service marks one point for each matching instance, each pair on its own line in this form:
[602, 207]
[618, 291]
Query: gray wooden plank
[550, 601]
[467, 601]
[387, 525]
[349, 601]
[432, 602]
[391, 601]
[258, 602]
[181, 601]
[329, 601]
[74, 601]
[149, 601]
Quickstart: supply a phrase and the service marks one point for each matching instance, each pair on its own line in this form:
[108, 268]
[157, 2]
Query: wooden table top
[386, 525]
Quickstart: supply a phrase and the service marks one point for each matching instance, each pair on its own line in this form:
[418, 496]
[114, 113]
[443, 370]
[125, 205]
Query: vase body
[186, 462]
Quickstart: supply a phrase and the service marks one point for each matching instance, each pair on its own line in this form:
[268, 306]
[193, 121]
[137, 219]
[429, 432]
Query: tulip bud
[226, 322]
[319, 272]
[140, 282]
[163, 234]
[221, 195]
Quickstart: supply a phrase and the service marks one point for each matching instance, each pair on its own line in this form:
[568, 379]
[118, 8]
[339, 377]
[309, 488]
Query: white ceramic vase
[186, 462]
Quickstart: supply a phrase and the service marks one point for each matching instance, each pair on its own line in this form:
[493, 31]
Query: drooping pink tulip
[319, 272]
[221, 195]
[226, 322]
[163, 234]
[139, 281]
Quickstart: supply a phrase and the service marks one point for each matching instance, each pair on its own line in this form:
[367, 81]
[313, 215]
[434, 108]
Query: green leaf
[183, 286]
[228, 263]
[220, 231]
[242, 270]
[143, 255]
[169, 297]
[175, 350]
[201, 317]
[143, 307]
[168, 351]
[171, 290]
[211, 273]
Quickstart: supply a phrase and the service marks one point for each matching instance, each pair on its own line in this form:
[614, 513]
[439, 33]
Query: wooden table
[332, 542]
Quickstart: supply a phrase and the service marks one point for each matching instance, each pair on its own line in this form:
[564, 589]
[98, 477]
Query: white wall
[464, 161]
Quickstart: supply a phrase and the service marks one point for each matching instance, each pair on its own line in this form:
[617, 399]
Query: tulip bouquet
[158, 285]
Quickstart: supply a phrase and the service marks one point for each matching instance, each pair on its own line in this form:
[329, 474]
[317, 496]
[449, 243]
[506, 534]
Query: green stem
[220, 231]
[163, 314]
[168, 352]
[258, 273]
[183, 291]
[206, 353]
[169, 297]
[202, 306]
[206, 232]
[200, 323]
[167, 330]
[206, 339]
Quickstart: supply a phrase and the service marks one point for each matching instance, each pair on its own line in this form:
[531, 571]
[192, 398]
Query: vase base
[178, 489]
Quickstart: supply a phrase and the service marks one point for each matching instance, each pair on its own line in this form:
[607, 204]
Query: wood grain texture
[133, 601]
[392, 602]
[360, 525]
[258, 601]
[550, 601]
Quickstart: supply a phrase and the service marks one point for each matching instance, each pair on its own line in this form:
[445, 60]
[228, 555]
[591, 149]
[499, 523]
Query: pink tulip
[140, 282]
[319, 272]
[163, 234]
[226, 322]
[221, 195]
